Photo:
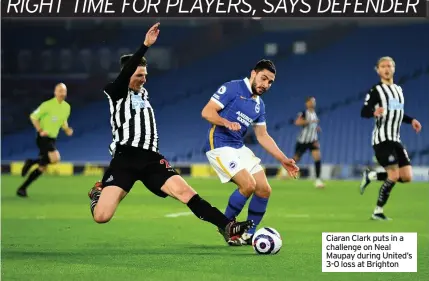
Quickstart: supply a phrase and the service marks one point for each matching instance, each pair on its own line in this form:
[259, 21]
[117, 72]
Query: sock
[257, 208]
[378, 210]
[235, 204]
[94, 200]
[317, 166]
[382, 176]
[32, 177]
[384, 194]
[33, 161]
[203, 210]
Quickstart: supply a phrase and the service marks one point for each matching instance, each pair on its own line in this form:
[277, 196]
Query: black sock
[203, 210]
[382, 176]
[32, 177]
[33, 161]
[384, 194]
[317, 166]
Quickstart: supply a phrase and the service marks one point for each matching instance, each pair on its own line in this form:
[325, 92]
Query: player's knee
[102, 217]
[54, 158]
[406, 178]
[393, 177]
[42, 169]
[263, 191]
[248, 187]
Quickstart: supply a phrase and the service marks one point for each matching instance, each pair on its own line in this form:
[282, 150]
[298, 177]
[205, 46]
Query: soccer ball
[267, 241]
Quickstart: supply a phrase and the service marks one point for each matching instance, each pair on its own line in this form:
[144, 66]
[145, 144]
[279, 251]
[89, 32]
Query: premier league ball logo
[257, 108]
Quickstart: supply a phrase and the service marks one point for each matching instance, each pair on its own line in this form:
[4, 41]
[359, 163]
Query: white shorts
[228, 161]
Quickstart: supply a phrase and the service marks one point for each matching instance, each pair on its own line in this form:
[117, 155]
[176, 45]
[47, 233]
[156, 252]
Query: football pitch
[51, 235]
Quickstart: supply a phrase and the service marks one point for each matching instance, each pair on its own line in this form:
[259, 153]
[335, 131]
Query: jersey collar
[247, 82]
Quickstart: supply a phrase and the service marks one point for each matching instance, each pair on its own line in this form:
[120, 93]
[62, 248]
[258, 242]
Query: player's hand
[416, 125]
[316, 144]
[43, 133]
[152, 35]
[233, 126]
[290, 167]
[378, 112]
[69, 132]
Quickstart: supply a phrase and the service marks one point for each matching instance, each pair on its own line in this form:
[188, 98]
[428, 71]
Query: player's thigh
[226, 162]
[263, 188]
[406, 173]
[117, 184]
[178, 188]
[156, 174]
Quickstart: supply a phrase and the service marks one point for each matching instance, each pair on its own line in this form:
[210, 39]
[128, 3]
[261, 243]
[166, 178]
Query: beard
[255, 91]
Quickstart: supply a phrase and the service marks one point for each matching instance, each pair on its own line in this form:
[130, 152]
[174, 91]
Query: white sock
[372, 175]
[378, 210]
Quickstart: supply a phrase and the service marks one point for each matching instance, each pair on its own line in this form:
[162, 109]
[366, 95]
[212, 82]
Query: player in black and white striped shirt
[385, 102]
[308, 138]
[135, 151]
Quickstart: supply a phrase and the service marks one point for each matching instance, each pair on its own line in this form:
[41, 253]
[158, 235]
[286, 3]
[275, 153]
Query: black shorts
[301, 148]
[390, 153]
[131, 164]
[45, 145]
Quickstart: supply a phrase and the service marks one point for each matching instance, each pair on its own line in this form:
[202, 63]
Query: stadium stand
[338, 73]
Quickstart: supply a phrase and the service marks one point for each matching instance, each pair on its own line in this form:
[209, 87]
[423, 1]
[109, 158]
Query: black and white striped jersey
[308, 132]
[391, 98]
[131, 115]
[133, 121]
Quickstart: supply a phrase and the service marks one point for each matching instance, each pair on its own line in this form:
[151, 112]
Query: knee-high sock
[235, 204]
[318, 168]
[384, 194]
[31, 178]
[257, 208]
[203, 210]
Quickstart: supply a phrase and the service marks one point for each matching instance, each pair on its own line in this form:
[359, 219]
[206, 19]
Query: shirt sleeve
[261, 121]
[371, 100]
[224, 95]
[116, 89]
[39, 112]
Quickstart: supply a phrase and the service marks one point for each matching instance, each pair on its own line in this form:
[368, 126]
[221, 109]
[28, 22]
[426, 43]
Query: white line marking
[175, 215]
[299, 216]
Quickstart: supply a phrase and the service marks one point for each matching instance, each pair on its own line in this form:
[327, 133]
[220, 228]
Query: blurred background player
[47, 119]
[232, 109]
[308, 138]
[135, 152]
[385, 102]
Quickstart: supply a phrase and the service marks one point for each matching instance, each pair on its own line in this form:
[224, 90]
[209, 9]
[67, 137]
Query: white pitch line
[175, 215]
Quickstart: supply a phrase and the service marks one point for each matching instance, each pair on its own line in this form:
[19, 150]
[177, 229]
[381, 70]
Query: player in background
[47, 119]
[308, 138]
[235, 107]
[135, 153]
[385, 103]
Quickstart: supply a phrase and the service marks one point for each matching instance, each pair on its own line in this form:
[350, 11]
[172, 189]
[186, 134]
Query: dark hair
[265, 64]
[309, 98]
[125, 58]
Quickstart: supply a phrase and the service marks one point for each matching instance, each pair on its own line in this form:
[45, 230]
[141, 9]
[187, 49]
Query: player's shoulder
[230, 86]
[67, 105]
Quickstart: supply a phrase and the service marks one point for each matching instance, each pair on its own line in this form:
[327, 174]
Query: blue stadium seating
[334, 74]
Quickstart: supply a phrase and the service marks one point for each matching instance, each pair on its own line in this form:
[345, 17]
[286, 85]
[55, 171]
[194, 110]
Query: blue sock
[235, 204]
[257, 208]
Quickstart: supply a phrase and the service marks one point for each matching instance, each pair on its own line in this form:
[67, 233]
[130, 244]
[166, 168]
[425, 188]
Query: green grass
[51, 236]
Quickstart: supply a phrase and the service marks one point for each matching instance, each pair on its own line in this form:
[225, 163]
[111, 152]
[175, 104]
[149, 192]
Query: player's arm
[218, 101]
[269, 144]
[371, 100]
[114, 89]
[65, 126]
[300, 120]
[413, 121]
[35, 117]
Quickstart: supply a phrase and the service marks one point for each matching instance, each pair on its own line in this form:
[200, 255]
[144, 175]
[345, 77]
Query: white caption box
[369, 252]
